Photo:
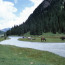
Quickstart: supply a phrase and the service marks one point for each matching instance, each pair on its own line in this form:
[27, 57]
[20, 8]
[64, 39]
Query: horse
[43, 39]
[62, 38]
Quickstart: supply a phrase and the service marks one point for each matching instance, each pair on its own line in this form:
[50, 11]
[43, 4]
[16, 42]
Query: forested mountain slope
[49, 16]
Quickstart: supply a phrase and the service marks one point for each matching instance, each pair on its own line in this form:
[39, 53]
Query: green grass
[50, 37]
[2, 38]
[50, 40]
[11, 55]
[49, 34]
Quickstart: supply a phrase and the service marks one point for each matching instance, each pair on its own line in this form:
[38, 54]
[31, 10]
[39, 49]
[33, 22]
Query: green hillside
[49, 16]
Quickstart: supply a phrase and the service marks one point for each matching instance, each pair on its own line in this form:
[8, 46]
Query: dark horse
[43, 39]
[62, 38]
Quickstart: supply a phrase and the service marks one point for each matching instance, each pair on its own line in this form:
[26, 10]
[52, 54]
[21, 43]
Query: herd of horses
[44, 39]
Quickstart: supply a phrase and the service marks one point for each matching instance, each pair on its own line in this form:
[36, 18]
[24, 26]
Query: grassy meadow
[1, 39]
[11, 55]
[50, 37]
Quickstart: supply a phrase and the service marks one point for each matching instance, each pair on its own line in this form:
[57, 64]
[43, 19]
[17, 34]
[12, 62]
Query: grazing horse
[43, 39]
[62, 38]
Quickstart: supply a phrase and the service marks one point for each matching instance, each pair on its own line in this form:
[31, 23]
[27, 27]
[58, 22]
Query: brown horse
[62, 38]
[43, 39]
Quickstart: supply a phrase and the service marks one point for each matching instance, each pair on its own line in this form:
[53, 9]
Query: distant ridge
[5, 29]
[1, 32]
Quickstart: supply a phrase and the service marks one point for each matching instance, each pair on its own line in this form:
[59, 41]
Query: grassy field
[50, 37]
[2, 38]
[49, 40]
[11, 55]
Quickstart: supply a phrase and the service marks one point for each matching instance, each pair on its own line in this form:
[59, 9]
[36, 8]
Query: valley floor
[24, 55]
[57, 48]
[11, 55]
[50, 37]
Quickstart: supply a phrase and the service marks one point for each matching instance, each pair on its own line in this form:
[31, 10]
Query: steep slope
[49, 16]
[46, 17]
